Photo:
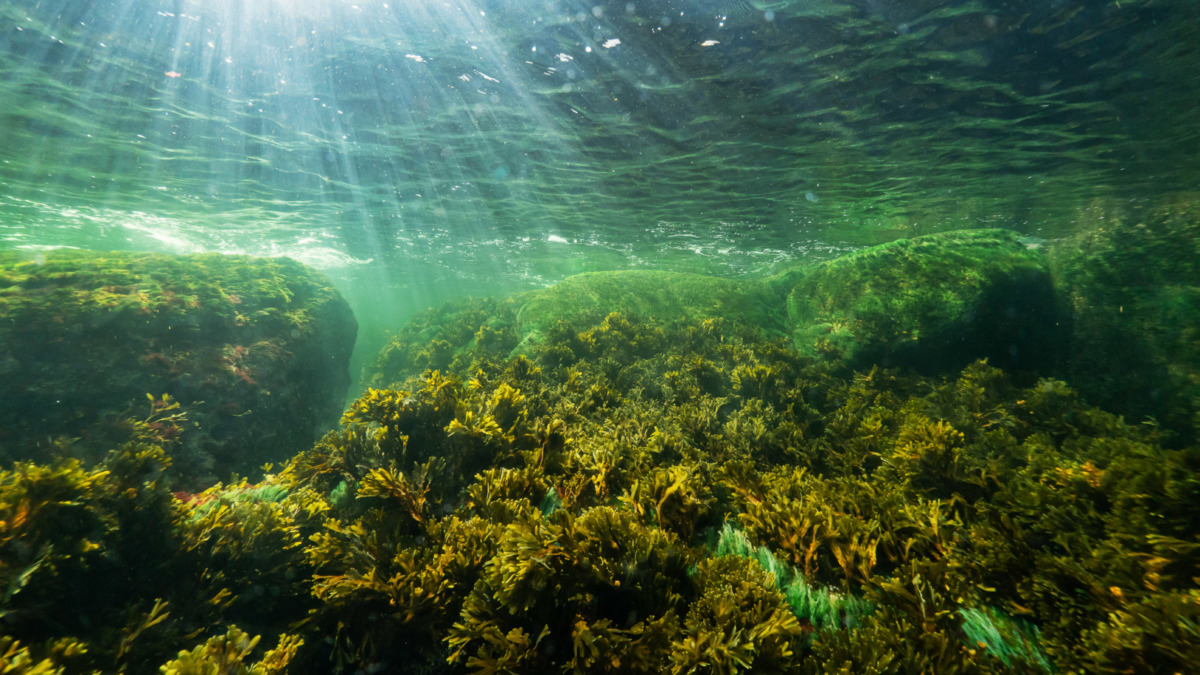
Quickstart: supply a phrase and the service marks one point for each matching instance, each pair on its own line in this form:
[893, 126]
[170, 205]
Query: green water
[767, 469]
[417, 151]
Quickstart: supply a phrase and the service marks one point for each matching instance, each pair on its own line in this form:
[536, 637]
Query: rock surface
[935, 302]
[255, 351]
[1131, 287]
[663, 296]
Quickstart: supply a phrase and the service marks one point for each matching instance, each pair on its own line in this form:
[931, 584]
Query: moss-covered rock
[1132, 285]
[667, 297]
[935, 302]
[255, 350]
[440, 337]
[456, 335]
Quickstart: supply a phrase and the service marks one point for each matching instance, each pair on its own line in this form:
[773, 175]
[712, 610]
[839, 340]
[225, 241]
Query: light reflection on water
[418, 151]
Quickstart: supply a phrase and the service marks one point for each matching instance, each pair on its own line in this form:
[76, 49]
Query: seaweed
[1014, 643]
[250, 348]
[227, 654]
[620, 493]
[816, 608]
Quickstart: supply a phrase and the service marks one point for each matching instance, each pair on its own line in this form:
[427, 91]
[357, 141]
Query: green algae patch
[934, 302]
[253, 351]
[664, 296]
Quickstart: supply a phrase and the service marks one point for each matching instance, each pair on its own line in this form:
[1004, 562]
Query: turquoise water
[418, 151]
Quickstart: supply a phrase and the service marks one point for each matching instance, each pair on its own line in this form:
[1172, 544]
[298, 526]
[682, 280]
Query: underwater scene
[550, 336]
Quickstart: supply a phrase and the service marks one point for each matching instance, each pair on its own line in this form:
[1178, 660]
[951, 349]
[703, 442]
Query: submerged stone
[255, 351]
[935, 302]
[1132, 286]
[664, 296]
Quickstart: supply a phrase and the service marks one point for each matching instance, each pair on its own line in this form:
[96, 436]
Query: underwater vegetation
[1132, 289]
[930, 303]
[255, 351]
[105, 570]
[667, 296]
[621, 492]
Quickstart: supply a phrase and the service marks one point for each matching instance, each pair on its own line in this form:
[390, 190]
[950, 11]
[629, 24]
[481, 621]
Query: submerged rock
[935, 303]
[255, 351]
[663, 296]
[1132, 286]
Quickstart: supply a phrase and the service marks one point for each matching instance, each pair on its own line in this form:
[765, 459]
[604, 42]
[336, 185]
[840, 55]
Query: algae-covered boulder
[255, 351]
[934, 302]
[1132, 285]
[663, 296]
[450, 337]
[440, 337]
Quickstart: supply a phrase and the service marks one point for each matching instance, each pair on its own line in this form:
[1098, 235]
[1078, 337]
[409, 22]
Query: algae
[255, 352]
[630, 494]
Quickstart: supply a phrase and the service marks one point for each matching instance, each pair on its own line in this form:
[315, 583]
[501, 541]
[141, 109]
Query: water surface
[422, 150]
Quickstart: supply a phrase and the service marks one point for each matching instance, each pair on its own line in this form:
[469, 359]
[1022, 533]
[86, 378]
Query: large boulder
[663, 296]
[1132, 287]
[255, 351]
[934, 303]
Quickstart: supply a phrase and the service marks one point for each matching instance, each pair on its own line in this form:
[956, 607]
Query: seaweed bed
[254, 348]
[658, 487]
